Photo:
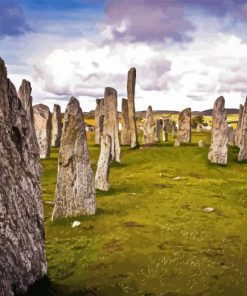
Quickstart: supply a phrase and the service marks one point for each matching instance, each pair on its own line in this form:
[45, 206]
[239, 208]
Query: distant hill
[229, 111]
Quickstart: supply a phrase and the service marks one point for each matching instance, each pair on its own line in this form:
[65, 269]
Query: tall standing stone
[243, 135]
[26, 99]
[131, 83]
[99, 120]
[125, 135]
[111, 121]
[219, 141]
[165, 130]
[103, 167]
[75, 190]
[56, 131]
[22, 257]
[149, 128]
[238, 130]
[42, 125]
[184, 126]
[157, 130]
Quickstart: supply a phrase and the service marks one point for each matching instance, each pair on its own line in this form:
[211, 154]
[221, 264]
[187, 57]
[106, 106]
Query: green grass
[150, 235]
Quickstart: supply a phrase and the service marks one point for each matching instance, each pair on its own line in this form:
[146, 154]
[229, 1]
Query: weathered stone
[231, 136]
[75, 190]
[219, 141]
[111, 121]
[42, 126]
[201, 144]
[103, 167]
[174, 130]
[165, 130]
[99, 120]
[22, 258]
[157, 130]
[56, 131]
[177, 143]
[26, 99]
[149, 128]
[131, 82]
[238, 130]
[243, 135]
[125, 135]
[184, 126]
[199, 128]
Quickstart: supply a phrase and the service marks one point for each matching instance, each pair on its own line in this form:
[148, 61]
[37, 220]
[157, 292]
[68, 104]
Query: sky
[186, 52]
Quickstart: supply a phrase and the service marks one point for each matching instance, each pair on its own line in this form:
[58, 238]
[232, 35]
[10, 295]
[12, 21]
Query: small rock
[76, 224]
[208, 209]
[133, 194]
[177, 143]
[178, 178]
[201, 144]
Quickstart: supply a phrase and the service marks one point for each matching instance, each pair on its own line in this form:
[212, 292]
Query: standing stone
[238, 130]
[56, 131]
[26, 99]
[131, 82]
[219, 141]
[165, 130]
[184, 126]
[125, 135]
[111, 122]
[231, 136]
[22, 257]
[157, 130]
[75, 190]
[42, 126]
[103, 167]
[243, 135]
[174, 130]
[177, 143]
[99, 120]
[149, 128]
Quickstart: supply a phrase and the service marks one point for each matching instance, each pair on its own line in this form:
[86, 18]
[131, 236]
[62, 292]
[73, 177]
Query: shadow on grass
[44, 287]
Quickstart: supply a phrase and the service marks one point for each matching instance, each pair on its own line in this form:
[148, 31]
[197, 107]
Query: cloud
[145, 21]
[12, 19]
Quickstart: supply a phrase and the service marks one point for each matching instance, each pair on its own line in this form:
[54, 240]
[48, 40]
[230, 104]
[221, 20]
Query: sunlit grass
[150, 235]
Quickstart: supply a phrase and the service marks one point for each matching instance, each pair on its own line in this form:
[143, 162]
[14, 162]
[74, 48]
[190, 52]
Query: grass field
[150, 235]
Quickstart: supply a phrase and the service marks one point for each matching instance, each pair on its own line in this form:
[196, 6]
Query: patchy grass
[150, 235]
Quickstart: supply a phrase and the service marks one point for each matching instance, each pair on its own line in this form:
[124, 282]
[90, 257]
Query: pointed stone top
[41, 107]
[3, 70]
[219, 103]
[26, 83]
[132, 70]
[109, 91]
[150, 108]
[56, 107]
[98, 101]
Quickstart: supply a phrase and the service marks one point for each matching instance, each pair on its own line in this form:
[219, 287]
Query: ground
[150, 235]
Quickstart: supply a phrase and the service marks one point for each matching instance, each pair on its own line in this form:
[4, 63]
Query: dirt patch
[163, 186]
[112, 246]
[132, 224]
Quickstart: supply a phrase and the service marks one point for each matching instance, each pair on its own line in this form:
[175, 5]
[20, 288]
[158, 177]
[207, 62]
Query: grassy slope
[150, 235]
